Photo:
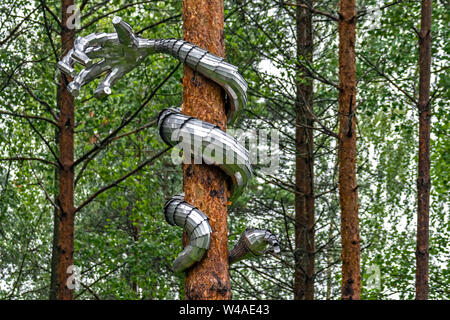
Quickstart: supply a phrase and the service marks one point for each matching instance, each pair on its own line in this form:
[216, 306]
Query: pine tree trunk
[205, 186]
[348, 188]
[423, 180]
[66, 173]
[304, 161]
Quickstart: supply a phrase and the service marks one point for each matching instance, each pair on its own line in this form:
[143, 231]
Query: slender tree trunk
[205, 186]
[348, 188]
[423, 180]
[304, 161]
[66, 215]
[136, 224]
[54, 262]
[329, 253]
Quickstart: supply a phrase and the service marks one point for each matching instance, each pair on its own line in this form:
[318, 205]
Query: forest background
[123, 246]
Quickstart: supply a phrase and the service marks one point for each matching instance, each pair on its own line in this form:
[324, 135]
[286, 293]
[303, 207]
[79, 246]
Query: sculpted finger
[103, 53]
[94, 40]
[81, 57]
[87, 75]
[65, 65]
[124, 32]
[104, 88]
[85, 49]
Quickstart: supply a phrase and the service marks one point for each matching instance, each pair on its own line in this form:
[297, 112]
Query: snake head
[118, 53]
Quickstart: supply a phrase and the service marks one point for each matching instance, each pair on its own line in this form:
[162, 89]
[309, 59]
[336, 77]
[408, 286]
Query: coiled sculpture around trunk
[121, 52]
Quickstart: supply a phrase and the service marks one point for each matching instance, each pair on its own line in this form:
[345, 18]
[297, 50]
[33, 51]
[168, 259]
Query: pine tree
[205, 186]
[348, 188]
[304, 159]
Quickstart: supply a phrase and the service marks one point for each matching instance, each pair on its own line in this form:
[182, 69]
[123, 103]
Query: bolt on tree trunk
[423, 179]
[304, 161]
[348, 188]
[205, 186]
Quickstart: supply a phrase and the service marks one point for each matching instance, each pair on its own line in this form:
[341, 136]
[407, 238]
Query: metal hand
[122, 51]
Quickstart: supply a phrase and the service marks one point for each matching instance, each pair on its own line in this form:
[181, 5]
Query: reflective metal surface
[116, 54]
[122, 51]
[253, 243]
[180, 213]
[208, 143]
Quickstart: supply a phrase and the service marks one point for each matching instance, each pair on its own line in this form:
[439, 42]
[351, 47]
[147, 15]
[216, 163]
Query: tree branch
[45, 141]
[47, 30]
[88, 288]
[158, 23]
[322, 13]
[31, 159]
[124, 123]
[2, 42]
[381, 73]
[102, 277]
[364, 12]
[44, 189]
[42, 102]
[145, 126]
[55, 17]
[115, 183]
[27, 116]
[110, 13]
[86, 162]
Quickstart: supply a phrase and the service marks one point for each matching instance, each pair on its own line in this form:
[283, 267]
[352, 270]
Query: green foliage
[124, 248]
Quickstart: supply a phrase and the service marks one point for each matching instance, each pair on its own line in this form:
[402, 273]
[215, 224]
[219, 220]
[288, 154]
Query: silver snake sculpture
[120, 52]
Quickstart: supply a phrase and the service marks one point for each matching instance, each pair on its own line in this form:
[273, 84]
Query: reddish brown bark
[423, 179]
[66, 173]
[348, 188]
[304, 161]
[204, 185]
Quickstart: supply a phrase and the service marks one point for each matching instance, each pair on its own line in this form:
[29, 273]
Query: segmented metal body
[211, 66]
[180, 213]
[207, 143]
[197, 136]
[253, 243]
[121, 52]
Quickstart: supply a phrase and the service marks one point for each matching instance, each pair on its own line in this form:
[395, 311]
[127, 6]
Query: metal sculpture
[121, 52]
[253, 243]
[202, 138]
[180, 213]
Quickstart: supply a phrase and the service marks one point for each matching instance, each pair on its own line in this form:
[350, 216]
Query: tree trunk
[423, 180]
[304, 161]
[204, 185]
[329, 253]
[348, 188]
[66, 213]
[54, 262]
